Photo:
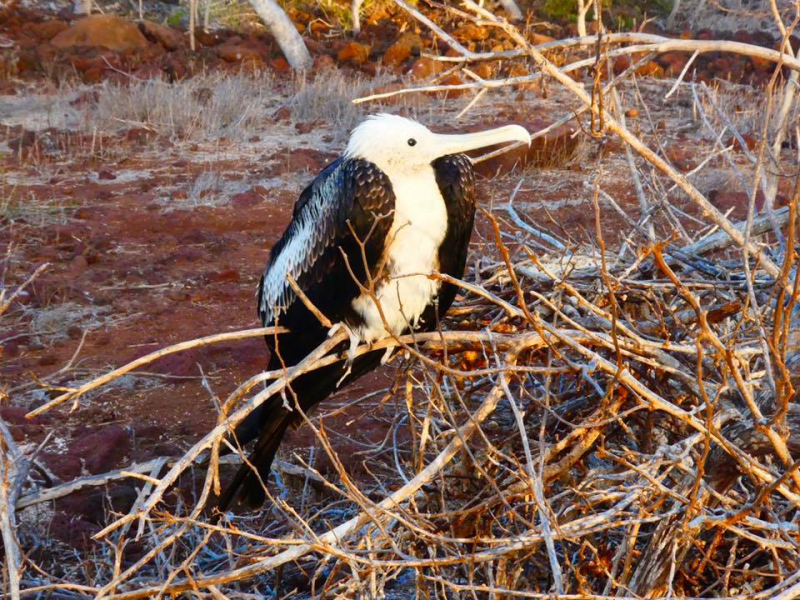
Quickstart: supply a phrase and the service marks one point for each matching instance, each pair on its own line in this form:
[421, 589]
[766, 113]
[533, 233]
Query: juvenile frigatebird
[396, 207]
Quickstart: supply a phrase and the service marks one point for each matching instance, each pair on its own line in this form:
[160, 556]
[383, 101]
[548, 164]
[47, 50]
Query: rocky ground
[154, 179]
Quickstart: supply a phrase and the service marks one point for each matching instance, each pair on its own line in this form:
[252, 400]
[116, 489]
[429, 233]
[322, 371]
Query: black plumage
[350, 199]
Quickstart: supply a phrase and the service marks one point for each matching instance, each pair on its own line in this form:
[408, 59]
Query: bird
[398, 205]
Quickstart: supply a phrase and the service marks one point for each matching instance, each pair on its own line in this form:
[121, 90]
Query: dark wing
[456, 181]
[348, 193]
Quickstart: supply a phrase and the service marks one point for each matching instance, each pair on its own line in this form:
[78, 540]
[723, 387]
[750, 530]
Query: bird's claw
[351, 351]
[387, 355]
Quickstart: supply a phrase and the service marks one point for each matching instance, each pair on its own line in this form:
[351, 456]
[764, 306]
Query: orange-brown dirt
[138, 260]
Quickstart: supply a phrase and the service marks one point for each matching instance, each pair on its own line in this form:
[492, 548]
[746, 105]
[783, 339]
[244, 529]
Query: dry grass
[731, 15]
[201, 108]
[328, 97]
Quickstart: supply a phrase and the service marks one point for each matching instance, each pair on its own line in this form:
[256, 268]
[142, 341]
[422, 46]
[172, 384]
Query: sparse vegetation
[328, 97]
[199, 108]
[610, 410]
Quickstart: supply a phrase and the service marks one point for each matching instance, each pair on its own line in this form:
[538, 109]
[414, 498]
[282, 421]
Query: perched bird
[398, 205]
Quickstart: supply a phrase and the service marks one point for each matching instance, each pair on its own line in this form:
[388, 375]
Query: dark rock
[64, 466]
[15, 415]
[101, 450]
[48, 360]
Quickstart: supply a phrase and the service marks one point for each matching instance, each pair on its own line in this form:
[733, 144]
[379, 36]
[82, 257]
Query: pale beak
[456, 144]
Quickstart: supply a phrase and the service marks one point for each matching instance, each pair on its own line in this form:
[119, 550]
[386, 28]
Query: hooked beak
[456, 144]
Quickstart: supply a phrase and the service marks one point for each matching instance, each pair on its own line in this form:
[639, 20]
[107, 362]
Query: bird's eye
[412, 142]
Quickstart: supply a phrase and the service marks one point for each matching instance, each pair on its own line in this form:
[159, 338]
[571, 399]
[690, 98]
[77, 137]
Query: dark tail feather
[247, 483]
[271, 423]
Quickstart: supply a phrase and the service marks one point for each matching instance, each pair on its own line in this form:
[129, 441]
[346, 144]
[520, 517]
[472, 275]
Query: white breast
[418, 229]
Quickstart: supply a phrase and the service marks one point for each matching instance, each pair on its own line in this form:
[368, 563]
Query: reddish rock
[80, 513]
[176, 69]
[280, 65]
[222, 276]
[761, 64]
[673, 63]
[705, 34]
[354, 53]
[64, 466]
[470, 32]
[102, 449]
[105, 175]
[453, 79]
[9, 349]
[319, 27]
[408, 45]
[284, 113]
[680, 156]
[247, 199]
[426, 67]
[304, 127]
[517, 70]
[94, 62]
[105, 31]
[78, 266]
[621, 63]
[206, 38]
[182, 364]
[539, 38]
[15, 415]
[651, 69]
[47, 360]
[750, 141]
[725, 200]
[167, 37]
[301, 159]
[245, 50]
[46, 30]
[484, 70]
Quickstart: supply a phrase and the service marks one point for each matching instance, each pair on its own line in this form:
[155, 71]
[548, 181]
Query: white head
[397, 145]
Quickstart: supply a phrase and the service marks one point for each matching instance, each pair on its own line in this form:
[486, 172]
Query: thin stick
[76, 393]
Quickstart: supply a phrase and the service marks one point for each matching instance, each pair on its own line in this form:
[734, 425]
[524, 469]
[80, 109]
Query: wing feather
[456, 180]
[348, 193]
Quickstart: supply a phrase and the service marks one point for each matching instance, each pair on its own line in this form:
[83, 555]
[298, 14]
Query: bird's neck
[419, 204]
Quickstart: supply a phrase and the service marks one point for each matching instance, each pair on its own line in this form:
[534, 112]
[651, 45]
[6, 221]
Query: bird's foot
[387, 355]
[351, 351]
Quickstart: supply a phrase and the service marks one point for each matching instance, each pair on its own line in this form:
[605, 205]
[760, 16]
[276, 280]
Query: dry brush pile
[589, 422]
